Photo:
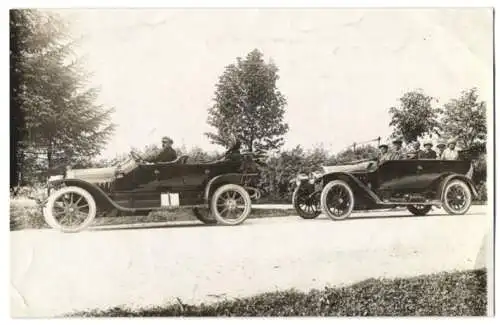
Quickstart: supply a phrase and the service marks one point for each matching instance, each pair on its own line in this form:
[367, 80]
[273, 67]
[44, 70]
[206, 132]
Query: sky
[340, 69]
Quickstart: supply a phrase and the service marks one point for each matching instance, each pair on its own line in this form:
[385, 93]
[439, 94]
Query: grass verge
[442, 294]
[25, 215]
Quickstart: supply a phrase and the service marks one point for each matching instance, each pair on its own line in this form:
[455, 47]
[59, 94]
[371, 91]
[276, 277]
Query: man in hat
[167, 153]
[450, 153]
[415, 151]
[397, 152]
[384, 153]
[441, 146]
[428, 153]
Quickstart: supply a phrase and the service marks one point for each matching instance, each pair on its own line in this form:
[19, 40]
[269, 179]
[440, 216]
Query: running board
[377, 199]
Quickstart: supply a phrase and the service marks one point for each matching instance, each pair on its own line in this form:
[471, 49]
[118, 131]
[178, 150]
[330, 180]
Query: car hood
[356, 167]
[93, 175]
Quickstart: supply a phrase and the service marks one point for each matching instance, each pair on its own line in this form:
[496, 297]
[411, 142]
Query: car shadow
[393, 216]
[148, 226]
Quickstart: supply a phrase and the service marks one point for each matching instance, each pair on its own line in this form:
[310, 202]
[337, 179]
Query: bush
[482, 192]
[442, 294]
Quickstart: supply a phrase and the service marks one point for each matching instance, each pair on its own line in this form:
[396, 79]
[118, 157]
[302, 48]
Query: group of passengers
[445, 151]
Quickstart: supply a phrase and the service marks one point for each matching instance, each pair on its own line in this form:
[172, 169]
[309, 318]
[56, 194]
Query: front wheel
[306, 205]
[231, 204]
[337, 200]
[70, 209]
[419, 210]
[457, 197]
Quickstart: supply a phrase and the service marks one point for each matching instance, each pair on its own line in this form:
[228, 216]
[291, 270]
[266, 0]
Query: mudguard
[101, 198]
[446, 178]
[357, 186]
[232, 178]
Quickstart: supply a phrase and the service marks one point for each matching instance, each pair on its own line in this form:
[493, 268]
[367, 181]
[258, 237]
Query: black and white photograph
[251, 162]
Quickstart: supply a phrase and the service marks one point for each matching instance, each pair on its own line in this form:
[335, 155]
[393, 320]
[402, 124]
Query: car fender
[448, 177]
[357, 186]
[101, 198]
[231, 178]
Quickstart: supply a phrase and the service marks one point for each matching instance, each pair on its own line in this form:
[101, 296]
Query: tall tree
[63, 122]
[465, 119]
[248, 105]
[414, 116]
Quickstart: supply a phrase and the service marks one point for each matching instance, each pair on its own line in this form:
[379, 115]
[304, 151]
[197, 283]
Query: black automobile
[220, 191]
[368, 185]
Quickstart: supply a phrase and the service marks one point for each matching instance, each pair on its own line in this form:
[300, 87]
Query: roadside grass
[442, 294]
[24, 214]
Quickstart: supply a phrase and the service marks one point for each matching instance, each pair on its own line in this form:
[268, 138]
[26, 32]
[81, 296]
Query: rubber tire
[297, 208]
[204, 217]
[324, 194]
[246, 198]
[419, 212]
[467, 190]
[51, 220]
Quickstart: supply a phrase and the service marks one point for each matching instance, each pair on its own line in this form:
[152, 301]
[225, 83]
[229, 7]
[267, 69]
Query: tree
[359, 153]
[465, 119]
[248, 106]
[62, 122]
[415, 116]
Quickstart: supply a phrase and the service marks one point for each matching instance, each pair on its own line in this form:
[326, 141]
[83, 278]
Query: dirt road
[54, 273]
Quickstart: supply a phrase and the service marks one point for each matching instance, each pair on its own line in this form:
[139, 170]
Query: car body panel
[132, 186]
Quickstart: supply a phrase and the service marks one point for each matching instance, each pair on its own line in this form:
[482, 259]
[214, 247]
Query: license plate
[169, 199]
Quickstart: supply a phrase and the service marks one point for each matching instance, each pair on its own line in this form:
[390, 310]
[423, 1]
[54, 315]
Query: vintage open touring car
[217, 192]
[367, 185]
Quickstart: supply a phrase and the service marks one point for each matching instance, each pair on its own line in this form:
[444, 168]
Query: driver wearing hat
[397, 152]
[384, 153]
[167, 153]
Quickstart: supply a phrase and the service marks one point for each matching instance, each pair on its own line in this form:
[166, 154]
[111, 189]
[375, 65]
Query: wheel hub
[231, 204]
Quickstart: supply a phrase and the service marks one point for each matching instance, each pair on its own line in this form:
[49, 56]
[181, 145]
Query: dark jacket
[431, 154]
[166, 155]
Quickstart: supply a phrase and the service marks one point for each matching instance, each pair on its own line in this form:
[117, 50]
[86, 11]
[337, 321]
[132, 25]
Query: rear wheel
[457, 197]
[204, 215]
[337, 200]
[70, 209]
[419, 209]
[307, 206]
[231, 204]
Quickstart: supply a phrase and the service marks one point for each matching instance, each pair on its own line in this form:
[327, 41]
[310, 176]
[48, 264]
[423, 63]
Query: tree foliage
[63, 124]
[248, 105]
[414, 116]
[464, 118]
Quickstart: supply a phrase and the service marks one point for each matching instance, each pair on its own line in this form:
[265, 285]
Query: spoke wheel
[337, 200]
[307, 206]
[204, 215]
[70, 209]
[231, 204]
[419, 209]
[457, 197]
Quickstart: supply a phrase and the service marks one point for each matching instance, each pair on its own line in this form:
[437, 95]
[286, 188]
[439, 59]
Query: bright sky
[340, 69]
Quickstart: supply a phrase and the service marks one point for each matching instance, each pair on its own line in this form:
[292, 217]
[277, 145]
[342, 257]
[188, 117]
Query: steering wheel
[136, 156]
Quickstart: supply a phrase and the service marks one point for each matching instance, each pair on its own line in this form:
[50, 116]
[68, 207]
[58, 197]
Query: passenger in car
[415, 151]
[428, 153]
[450, 153]
[441, 145]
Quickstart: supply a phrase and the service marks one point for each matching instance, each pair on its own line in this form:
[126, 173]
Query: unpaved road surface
[54, 273]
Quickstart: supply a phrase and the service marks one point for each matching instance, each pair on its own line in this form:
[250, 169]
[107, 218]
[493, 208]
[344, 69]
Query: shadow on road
[147, 226]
